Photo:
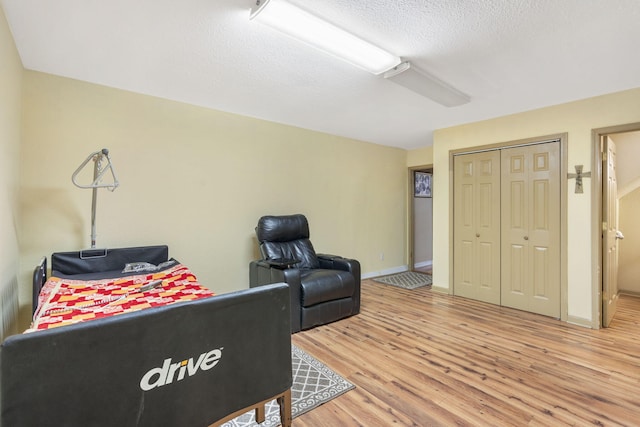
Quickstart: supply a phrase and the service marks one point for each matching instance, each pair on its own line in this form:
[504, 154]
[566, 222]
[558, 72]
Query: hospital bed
[197, 362]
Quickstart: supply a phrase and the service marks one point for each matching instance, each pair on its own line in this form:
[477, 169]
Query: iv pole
[99, 170]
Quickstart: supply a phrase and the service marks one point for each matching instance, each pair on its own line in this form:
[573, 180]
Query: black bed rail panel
[188, 364]
[100, 260]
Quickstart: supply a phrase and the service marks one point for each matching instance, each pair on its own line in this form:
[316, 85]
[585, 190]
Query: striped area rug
[406, 280]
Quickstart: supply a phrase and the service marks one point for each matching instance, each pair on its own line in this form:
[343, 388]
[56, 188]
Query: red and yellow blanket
[64, 301]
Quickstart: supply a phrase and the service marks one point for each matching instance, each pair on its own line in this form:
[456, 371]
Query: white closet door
[477, 226]
[530, 202]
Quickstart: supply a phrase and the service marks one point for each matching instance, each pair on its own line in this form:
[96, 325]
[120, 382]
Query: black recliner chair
[324, 288]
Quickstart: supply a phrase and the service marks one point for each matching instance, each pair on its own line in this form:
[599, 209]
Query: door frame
[563, 138]
[597, 189]
[412, 220]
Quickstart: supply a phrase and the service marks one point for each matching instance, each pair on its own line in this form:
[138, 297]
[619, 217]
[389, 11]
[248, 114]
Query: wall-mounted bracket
[578, 176]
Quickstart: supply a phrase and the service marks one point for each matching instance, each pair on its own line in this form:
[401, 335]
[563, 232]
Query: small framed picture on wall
[422, 184]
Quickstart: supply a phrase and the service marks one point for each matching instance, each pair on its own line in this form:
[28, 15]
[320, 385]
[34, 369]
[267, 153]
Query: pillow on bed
[144, 267]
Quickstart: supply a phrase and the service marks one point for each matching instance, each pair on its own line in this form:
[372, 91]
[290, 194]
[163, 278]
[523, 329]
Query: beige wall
[420, 157]
[198, 180]
[629, 248]
[577, 119]
[10, 109]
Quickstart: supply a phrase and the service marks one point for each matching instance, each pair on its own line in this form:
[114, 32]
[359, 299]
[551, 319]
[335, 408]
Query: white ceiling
[508, 55]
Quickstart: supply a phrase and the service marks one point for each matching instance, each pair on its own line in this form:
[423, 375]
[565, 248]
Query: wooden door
[477, 226]
[610, 229]
[530, 215]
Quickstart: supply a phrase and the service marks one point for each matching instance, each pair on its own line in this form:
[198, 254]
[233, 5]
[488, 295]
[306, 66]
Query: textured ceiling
[507, 55]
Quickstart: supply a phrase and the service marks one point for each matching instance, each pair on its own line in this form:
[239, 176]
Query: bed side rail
[39, 278]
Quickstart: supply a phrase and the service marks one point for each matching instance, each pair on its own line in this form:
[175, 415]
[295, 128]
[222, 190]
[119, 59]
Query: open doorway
[421, 219]
[620, 235]
[628, 145]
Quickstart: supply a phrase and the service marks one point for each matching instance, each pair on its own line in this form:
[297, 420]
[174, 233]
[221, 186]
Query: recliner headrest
[282, 228]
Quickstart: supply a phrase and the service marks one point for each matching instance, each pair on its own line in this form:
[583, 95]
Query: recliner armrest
[336, 262]
[262, 273]
[281, 263]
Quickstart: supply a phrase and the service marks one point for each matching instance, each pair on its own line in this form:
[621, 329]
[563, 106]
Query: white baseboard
[421, 264]
[630, 293]
[385, 272]
[579, 321]
[441, 290]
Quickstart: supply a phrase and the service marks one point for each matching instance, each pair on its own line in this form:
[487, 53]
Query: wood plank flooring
[420, 358]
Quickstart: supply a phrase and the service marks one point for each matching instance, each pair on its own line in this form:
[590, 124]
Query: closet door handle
[477, 234]
[526, 237]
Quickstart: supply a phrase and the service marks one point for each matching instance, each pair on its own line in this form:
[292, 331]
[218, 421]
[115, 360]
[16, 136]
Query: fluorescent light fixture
[306, 27]
[426, 85]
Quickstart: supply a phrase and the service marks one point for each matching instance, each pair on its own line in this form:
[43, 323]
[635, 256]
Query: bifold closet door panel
[530, 212]
[477, 226]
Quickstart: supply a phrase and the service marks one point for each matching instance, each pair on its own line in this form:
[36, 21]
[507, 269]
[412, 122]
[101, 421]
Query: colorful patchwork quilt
[65, 301]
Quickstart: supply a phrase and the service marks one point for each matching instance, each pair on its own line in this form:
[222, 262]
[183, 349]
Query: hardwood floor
[420, 358]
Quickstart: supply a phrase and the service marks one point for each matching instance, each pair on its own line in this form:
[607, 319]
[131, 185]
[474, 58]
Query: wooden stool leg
[260, 415]
[284, 402]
